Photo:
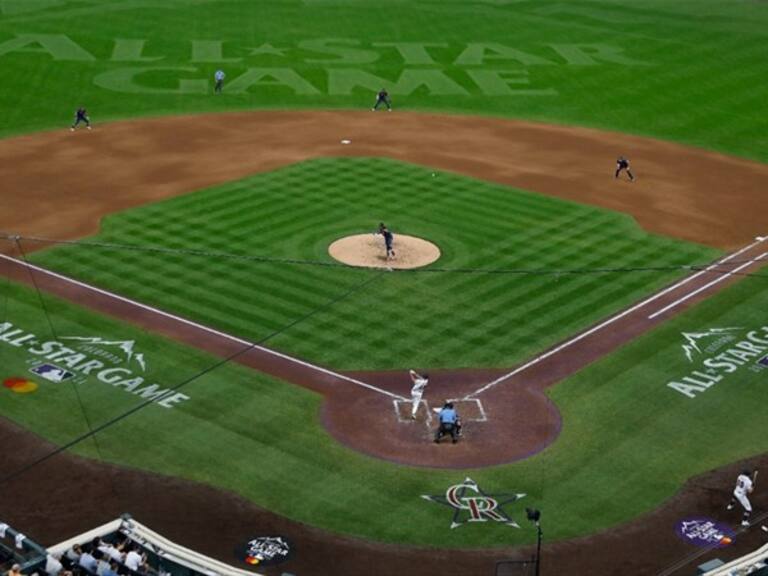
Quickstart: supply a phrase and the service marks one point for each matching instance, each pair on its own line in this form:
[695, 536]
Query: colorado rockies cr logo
[479, 506]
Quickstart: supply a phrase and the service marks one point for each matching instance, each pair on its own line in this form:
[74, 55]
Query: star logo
[691, 348]
[471, 504]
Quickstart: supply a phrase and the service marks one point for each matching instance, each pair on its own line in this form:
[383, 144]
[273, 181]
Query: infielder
[81, 116]
[623, 164]
[382, 98]
[744, 487]
[419, 383]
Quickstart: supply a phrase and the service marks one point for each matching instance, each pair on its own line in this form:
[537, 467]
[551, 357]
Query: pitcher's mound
[368, 251]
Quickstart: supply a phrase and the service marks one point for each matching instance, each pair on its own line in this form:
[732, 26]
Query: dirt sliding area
[680, 192]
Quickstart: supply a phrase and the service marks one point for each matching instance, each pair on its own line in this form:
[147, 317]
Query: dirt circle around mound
[368, 251]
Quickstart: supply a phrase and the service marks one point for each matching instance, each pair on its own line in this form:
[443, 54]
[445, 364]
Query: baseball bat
[754, 477]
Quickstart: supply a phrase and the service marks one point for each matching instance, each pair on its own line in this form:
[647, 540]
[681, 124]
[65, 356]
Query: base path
[60, 184]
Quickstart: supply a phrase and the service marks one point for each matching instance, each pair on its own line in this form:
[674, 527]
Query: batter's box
[470, 410]
[404, 409]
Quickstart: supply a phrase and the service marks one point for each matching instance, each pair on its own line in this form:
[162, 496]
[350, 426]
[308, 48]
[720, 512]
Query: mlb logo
[763, 361]
[51, 372]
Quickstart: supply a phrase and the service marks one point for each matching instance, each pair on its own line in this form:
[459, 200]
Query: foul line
[709, 284]
[202, 327]
[613, 319]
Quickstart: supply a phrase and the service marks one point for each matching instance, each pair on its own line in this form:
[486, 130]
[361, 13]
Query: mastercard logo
[19, 385]
[252, 560]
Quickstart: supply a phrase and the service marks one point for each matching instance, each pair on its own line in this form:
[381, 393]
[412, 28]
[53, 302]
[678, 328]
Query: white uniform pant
[743, 500]
[416, 399]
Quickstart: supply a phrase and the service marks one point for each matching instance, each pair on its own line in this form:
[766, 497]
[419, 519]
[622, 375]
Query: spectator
[15, 570]
[114, 553]
[103, 562]
[133, 559]
[74, 553]
[88, 561]
[53, 566]
[111, 570]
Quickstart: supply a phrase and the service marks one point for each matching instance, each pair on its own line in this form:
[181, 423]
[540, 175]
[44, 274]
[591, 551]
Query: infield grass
[518, 271]
[628, 441]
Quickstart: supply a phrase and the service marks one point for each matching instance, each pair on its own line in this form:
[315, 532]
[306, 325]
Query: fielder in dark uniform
[81, 116]
[382, 98]
[389, 240]
[623, 164]
[450, 423]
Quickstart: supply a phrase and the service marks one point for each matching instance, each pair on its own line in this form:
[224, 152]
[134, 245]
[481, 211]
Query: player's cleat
[88, 127]
[71, 129]
[745, 523]
[729, 507]
[764, 528]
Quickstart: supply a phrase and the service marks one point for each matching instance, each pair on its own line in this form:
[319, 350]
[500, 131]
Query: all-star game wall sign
[471, 504]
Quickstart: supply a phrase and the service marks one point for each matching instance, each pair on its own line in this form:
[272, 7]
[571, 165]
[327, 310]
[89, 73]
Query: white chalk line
[690, 295]
[610, 321]
[202, 327]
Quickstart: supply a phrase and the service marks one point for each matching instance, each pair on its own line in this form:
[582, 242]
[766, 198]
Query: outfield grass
[677, 70]
[433, 318]
[628, 441]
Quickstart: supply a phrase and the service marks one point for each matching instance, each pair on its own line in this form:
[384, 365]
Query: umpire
[449, 423]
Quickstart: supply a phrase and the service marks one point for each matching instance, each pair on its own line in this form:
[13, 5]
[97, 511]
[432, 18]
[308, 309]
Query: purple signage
[705, 532]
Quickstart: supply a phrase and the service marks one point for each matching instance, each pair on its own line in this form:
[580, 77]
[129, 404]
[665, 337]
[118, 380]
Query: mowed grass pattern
[539, 262]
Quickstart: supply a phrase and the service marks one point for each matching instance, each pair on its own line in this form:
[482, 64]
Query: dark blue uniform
[382, 98]
[623, 164]
[81, 116]
[389, 240]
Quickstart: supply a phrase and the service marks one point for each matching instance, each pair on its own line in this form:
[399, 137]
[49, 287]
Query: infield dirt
[60, 184]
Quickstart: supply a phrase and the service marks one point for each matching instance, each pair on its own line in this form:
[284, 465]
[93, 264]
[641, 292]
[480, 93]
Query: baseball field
[177, 340]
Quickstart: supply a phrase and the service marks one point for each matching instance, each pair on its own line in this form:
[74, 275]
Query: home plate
[345, 141]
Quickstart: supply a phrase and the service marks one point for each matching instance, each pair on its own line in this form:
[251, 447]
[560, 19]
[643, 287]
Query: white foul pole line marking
[613, 319]
[202, 327]
[708, 285]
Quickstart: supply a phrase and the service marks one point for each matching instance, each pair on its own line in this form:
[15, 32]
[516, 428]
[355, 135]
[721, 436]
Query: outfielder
[219, 79]
[744, 487]
[419, 383]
